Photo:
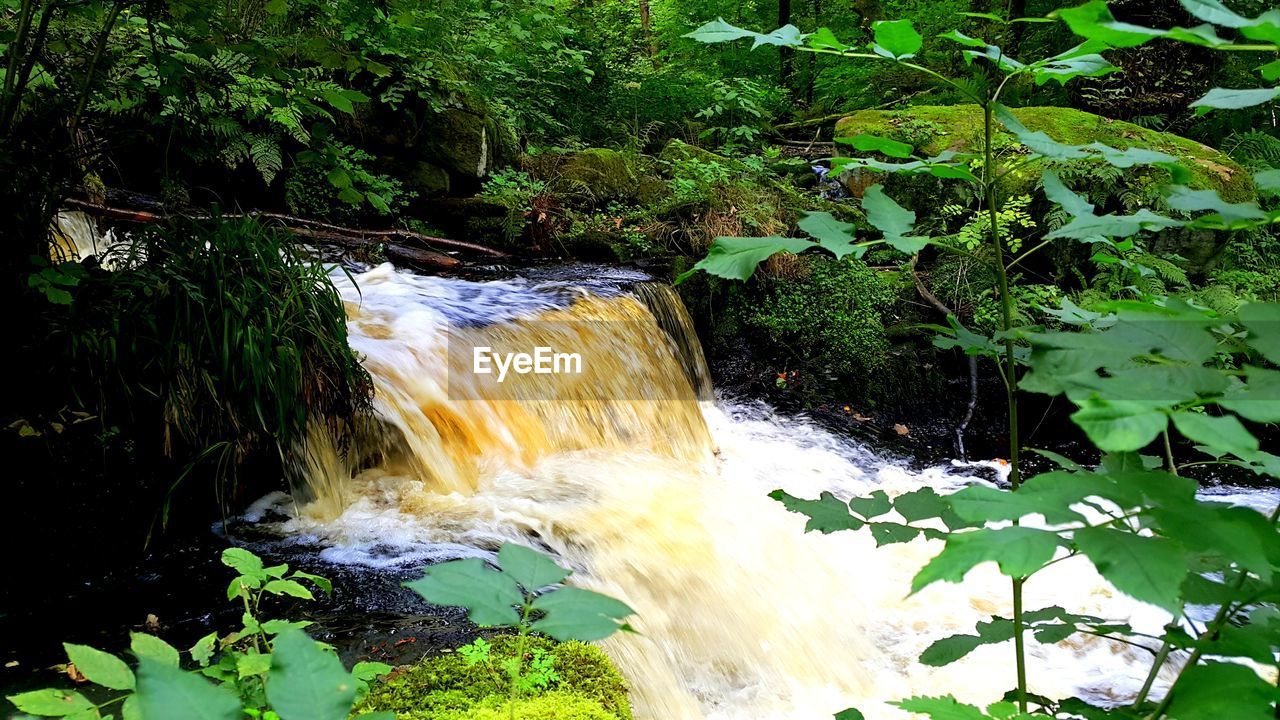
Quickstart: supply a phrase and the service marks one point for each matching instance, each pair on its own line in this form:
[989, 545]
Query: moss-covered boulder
[584, 685]
[934, 129]
[598, 176]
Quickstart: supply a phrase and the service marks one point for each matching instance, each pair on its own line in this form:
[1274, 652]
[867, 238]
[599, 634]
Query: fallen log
[299, 226]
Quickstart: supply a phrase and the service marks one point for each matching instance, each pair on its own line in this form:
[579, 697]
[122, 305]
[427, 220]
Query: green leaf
[1216, 691]
[489, 596]
[824, 39]
[888, 533]
[320, 582]
[831, 234]
[153, 648]
[871, 143]
[530, 568]
[1259, 399]
[51, 702]
[1150, 569]
[736, 258]
[978, 503]
[950, 649]
[827, 514]
[1268, 180]
[339, 100]
[1225, 433]
[850, 714]
[921, 504]
[896, 39]
[1060, 194]
[370, 671]
[1188, 200]
[1094, 21]
[941, 708]
[718, 31]
[164, 691]
[1263, 322]
[288, 587]
[102, 668]
[202, 651]
[891, 219]
[1228, 99]
[572, 613]
[874, 505]
[245, 563]
[1019, 551]
[785, 36]
[1213, 11]
[339, 178]
[306, 682]
[1119, 426]
[251, 664]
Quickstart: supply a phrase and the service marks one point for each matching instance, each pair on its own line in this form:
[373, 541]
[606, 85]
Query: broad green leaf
[871, 143]
[1268, 180]
[888, 533]
[245, 563]
[737, 258]
[320, 582]
[1119, 426]
[1259, 399]
[824, 39]
[102, 668]
[891, 219]
[532, 569]
[718, 31]
[874, 505]
[339, 100]
[921, 504]
[785, 36]
[1094, 21]
[1057, 192]
[1019, 551]
[827, 514]
[961, 38]
[131, 709]
[1229, 99]
[1235, 534]
[1224, 433]
[1213, 11]
[832, 235]
[153, 648]
[288, 587]
[572, 613]
[1150, 569]
[896, 39]
[941, 708]
[1216, 691]
[1184, 198]
[1050, 496]
[51, 702]
[1086, 227]
[950, 649]
[251, 664]
[202, 651]
[164, 691]
[489, 596]
[1263, 322]
[850, 714]
[306, 682]
[370, 671]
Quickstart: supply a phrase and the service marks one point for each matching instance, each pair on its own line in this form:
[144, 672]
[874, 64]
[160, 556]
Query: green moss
[828, 319]
[447, 687]
[933, 129]
[551, 706]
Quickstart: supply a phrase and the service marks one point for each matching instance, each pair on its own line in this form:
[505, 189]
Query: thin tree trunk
[785, 54]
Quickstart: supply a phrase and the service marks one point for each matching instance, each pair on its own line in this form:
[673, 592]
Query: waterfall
[655, 493]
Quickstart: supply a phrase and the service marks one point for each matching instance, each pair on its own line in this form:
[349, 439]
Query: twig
[933, 300]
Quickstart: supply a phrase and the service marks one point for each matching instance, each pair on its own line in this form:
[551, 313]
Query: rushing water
[656, 493]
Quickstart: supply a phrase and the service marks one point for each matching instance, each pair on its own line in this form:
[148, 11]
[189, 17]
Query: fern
[1254, 149]
[265, 154]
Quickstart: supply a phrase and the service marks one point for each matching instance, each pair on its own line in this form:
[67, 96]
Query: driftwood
[320, 231]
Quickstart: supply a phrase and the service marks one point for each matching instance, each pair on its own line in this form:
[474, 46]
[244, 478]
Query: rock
[933, 129]
[598, 176]
[426, 178]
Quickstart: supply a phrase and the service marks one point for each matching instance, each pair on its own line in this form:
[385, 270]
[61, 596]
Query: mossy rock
[934, 129]
[596, 176]
[447, 687]
[427, 178]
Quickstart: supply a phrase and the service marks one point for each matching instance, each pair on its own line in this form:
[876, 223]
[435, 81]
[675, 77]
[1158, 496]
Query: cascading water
[659, 499]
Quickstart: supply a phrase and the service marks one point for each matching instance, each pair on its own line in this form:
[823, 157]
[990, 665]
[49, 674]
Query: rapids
[655, 492]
